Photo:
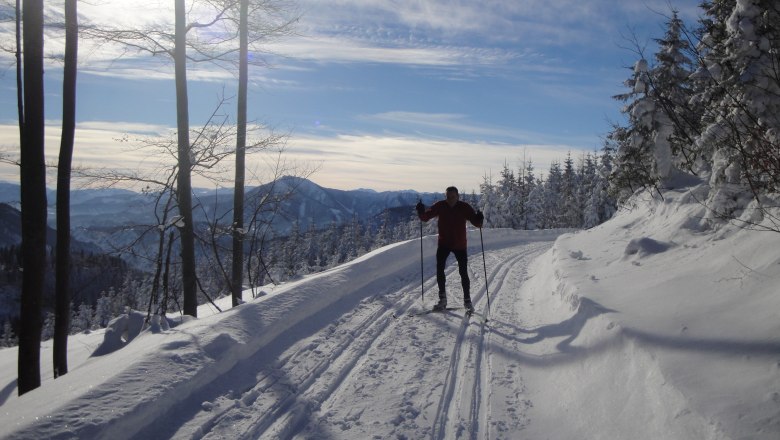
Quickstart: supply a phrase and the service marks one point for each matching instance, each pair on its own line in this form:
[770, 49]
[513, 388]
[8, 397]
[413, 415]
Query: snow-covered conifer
[82, 320]
[745, 120]
[48, 327]
[9, 337]
[103, 313]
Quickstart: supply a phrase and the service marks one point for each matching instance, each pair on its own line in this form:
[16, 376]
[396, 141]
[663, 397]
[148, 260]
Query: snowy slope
[649, 326]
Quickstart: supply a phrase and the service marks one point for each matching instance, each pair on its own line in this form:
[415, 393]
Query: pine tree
[489, 203]
[9, 337]
[535, 206]
[384, 234]
[677, 123]
[48, 327]
[291, 252]
[82, 321]
[571, 213]
[103, 314]
[552, 202]
[744, 125]
[706, 81]
[312, 247]
[529, 183]
[633, 141]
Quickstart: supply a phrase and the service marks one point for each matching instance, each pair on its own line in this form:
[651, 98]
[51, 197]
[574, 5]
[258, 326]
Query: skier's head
[452, 196]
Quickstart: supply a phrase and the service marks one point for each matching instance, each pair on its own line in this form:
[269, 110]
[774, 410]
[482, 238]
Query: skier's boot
[468, 306]
[441, 305]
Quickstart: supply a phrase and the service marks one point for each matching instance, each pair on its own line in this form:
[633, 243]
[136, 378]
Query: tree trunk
[184, 185]
[33, 198]
[62, 283]
[238, 194]
[19, 70]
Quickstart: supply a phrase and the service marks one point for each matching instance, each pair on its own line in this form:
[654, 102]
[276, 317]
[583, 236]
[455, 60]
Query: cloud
[346, 49]
[346, 160]
[459, 123]
[98, 145]
[379, 162]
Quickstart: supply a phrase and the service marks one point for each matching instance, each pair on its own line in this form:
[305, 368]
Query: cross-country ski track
[427, 376]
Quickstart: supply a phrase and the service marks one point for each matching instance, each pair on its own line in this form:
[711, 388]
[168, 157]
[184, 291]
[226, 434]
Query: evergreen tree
[706, 80]
[291, 252]
[489, 204]
[510, 203]
[384, 234]
[633, 141]
[744, 129]
[571, 212]
[48, 327]
[82, 321]
[528, 184]
[312, 247]
[552, 202]
[672, 89]
[535, 206]
[103, 313]
[9, 337]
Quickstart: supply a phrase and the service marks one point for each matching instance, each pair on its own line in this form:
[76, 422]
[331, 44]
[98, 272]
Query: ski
[469, 314]
[426, 312]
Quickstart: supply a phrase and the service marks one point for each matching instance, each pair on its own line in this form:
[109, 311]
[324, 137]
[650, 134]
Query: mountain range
[303, 201]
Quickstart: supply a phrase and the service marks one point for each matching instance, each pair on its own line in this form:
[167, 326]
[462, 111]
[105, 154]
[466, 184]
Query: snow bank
[686, 317]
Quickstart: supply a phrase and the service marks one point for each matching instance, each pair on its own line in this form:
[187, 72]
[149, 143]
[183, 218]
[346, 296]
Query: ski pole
[484, 266]
[422, 275]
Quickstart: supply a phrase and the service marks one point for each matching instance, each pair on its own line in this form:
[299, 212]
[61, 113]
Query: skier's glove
[420, 208]
[479, 218]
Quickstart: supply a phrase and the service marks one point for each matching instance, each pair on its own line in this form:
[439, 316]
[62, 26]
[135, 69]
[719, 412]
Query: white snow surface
[650, 326]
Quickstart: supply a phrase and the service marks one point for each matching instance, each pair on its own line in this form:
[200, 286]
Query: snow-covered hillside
[649, 326]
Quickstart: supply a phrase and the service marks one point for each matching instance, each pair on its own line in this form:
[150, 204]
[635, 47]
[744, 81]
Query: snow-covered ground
[650, 326]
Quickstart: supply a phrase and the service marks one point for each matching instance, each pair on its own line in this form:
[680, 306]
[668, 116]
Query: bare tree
[184, 184]
[216, 48]
[62, 283]
[33, 197]
[237, 270]
[273, 28]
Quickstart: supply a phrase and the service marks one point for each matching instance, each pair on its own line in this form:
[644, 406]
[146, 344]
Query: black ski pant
[441, 260]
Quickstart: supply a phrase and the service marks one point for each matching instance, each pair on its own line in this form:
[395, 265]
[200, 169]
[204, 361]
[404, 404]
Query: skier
[452, 214]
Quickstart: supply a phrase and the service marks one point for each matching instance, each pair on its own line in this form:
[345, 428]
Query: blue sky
[381, 94]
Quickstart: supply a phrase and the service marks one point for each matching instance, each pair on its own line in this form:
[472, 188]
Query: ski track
[465, 405]
[311, 390]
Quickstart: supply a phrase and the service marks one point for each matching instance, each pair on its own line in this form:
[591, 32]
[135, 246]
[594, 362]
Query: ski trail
[308, 374]
[429, 376]
[461, 406]
[506, 408]
[304, 378]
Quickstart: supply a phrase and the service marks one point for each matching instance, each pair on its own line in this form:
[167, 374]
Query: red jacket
[452, 222]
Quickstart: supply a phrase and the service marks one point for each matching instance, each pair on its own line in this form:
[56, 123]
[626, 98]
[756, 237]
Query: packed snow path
[587, 338]
[439, 375]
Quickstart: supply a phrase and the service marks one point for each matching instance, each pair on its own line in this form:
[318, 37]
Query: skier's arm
[426, 214]
[476, 218]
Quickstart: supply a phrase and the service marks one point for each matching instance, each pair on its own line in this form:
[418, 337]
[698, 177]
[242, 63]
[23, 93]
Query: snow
[652, 325]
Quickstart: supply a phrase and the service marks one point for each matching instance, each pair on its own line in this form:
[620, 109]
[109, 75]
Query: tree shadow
[725, 346]
[570, 328]
[587, 309]
[6, 392]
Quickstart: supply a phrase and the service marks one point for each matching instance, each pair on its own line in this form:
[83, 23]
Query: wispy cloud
[427, 164]
[98, 145]
[343, 49]
[346, 160]
[461, 124]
